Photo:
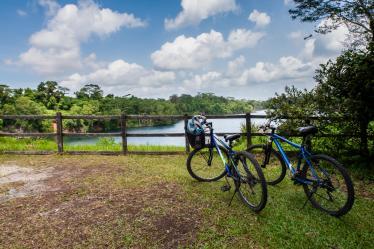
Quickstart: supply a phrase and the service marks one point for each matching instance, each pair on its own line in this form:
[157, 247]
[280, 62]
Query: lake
[219, 125]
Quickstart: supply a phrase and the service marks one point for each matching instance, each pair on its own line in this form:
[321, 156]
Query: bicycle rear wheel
[205, 164]
[250, 181]
[334, 193]
[275, 170]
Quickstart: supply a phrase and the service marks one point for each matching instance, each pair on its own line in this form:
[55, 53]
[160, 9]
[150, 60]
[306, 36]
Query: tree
[5, 95]
[24, 106]
[90, 91]
[294, 103]
[50, 94]
[346, 88]
[357, 15]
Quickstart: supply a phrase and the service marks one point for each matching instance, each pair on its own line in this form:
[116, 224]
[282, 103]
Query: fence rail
[123, 119]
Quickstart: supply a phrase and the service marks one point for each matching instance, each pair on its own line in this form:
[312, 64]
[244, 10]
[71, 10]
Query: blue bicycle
[213, 159]
[326, 182]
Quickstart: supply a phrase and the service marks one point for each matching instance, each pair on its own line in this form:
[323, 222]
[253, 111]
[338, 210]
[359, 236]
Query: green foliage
[90, 91]
[49, 97]
[345, 90]
[50, 94]
[25, 106]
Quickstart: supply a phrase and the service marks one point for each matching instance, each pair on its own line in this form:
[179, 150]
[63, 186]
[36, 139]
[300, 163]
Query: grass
[104, 144]
[200, 208]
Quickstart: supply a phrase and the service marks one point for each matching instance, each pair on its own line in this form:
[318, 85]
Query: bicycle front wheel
[333, 192]
[275, 169]
[250, 181]
[205, 164]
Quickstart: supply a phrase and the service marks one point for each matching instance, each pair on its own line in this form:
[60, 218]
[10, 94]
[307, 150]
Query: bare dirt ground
[52, 202]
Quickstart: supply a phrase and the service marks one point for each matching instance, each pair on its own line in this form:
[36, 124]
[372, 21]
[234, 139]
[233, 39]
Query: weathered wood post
[123, 133]
[59, 135]
[185, 133]
[248, 127]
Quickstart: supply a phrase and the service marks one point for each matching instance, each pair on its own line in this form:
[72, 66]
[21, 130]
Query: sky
[247, 49]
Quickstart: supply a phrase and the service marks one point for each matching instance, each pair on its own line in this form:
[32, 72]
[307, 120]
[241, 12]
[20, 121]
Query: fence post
[123, 133]
[185, 133]
[59, 135]
[248, 127]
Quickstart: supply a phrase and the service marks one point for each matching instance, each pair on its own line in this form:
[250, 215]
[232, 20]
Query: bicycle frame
[213, 144]
[303, 154]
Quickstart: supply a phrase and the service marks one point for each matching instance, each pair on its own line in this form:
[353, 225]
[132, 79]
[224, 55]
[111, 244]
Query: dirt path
[61, 204]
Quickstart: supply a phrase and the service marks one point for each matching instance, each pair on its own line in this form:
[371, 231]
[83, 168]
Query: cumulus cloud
[191, 53]
[194, 11]
[320, 48]
[287, 2]
[120, 76]
[295, 35]
[235, 66]
[56, 48]
[286, 68]
[206, 81]
[260, 18]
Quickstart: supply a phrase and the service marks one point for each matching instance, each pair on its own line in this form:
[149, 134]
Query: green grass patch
[282, 224]
[104, 144]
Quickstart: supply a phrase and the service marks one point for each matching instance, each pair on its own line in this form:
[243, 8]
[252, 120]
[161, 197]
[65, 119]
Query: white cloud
[194, 11]
[287, 2]
[235, 66]
[243, 38]
[56, 48]
[287, 68]
[320, 48]
[191, 53]
[120, 76]
[21, 12]
[205, 81]
[295, 35]
[334, 41]
[260, 18]
[157, 78]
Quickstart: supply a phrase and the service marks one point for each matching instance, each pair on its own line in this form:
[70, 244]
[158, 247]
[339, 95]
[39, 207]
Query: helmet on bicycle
[194, 126]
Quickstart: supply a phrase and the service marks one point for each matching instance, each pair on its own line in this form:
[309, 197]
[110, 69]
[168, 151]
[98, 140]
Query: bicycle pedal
[225, 188]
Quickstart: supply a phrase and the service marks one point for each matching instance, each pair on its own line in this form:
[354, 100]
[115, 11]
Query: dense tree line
[49, 97]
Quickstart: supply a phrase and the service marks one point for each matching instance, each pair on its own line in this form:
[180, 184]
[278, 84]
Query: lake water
[219, 125]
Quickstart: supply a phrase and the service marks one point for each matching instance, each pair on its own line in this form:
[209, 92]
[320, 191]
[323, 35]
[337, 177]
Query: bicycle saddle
[307, 130]
[231, 138]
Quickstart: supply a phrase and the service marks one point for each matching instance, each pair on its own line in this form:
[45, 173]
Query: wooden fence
[123, 119]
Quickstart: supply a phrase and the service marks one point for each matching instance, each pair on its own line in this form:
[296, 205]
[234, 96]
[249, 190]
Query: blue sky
[239, 48]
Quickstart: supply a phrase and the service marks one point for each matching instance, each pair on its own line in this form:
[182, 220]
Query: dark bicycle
[326, 182]
[213, 159]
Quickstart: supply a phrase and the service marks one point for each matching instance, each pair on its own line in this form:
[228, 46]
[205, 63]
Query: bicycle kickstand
[309, 196]
[236, 190]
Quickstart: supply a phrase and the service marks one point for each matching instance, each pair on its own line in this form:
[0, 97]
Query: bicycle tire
[250, 177]
[349, 189]
[276, 173]
[216, 173]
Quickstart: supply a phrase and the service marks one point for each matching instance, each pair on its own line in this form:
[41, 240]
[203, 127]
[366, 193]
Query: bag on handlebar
[195, 133]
